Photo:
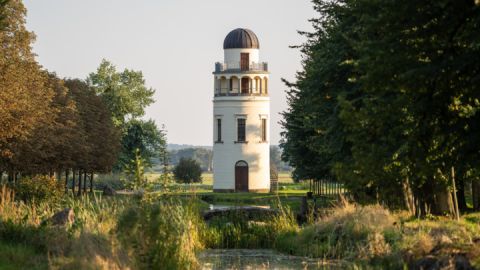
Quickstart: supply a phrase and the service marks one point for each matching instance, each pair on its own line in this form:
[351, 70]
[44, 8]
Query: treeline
[388, 102]
[70, 128]
[204, 157]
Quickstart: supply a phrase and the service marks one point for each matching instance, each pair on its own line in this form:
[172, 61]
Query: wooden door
[241, 176]
[244, 61]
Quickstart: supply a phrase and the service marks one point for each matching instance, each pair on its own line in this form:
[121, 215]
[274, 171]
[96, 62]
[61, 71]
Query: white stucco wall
[233, 55]
[256, 153]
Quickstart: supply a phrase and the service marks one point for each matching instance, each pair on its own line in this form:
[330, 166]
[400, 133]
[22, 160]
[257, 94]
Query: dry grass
[87, 244]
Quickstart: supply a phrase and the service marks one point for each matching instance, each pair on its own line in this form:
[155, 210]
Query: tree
[24, 94]
[98, 145]
[188, 171]
[386, 101]
[124, 92]
[203, 156]
[144, 136]
[3, 8]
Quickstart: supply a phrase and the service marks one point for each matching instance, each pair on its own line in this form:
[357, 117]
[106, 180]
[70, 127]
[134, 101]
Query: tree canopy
[124, 92]
[387, 100]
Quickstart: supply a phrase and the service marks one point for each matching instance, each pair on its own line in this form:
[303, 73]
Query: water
[224, 207]
[247, 259]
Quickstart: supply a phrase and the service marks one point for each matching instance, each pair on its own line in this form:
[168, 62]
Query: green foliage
[188, 171]
[124, 92]
[239, 230]
[19, 256]
[135, 172]
[203, 156]
[162, 234]
[387, 99]
[144, 136]
[39, 189]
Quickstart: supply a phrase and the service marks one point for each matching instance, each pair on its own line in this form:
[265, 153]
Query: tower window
[219, 130]
[264, 130]
[241, 130]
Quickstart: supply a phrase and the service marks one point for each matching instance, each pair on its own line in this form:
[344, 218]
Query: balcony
[241, 67]
[218, 94]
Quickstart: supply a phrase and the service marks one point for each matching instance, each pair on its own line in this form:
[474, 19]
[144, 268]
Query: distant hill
[176, 147]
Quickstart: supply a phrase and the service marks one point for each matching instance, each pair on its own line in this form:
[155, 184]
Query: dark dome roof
[241, 38]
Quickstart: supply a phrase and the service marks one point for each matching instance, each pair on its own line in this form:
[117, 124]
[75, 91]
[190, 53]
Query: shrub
[188, 171]
[39, 189]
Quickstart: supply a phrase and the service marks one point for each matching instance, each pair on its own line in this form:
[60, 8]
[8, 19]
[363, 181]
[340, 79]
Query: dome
[241, 38]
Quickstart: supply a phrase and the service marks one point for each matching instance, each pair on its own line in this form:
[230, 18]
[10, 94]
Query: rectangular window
[219, 130]
[264, 130]
[241, 130]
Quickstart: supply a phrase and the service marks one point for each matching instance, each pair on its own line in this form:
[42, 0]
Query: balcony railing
[237, 66]
[225, 92]
[240, 94]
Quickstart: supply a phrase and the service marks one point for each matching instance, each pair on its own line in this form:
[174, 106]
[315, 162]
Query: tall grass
[240, 230]
[349, 232]
[162, 234]
[87, 244]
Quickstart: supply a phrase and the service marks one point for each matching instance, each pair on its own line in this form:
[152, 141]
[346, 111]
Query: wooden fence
[326, 188]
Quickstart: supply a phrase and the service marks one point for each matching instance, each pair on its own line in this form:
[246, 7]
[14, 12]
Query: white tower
[241, 117]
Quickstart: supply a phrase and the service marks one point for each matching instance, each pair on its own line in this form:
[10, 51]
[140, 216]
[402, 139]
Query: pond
[225, 207]
[214, 259]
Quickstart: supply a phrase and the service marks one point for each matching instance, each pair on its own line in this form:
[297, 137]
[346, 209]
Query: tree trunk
[85, 182]
[73, 182]
[79, 192]
[476, 194]
[443, 203]
[462, 202]
[91, 183]
[455, 199]
[66, 181]
[408, 197]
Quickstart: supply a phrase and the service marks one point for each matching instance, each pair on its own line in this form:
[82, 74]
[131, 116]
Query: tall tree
[387, 102]
[24, 95]
[124, 92]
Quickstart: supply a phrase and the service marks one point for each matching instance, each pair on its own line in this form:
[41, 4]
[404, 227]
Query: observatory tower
[241, 117]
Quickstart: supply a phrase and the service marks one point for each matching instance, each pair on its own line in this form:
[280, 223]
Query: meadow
[165, 230]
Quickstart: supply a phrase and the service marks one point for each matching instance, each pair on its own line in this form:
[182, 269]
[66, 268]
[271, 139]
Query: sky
[175, 43]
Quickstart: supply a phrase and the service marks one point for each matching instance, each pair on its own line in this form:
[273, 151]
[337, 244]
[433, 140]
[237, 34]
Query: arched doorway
[241, 176]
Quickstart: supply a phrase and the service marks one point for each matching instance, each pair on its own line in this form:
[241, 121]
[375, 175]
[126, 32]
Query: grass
[373, 236]
[19, 256]
[159, 231]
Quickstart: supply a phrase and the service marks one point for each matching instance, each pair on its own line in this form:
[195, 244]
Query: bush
[188, 171]
[39, 189]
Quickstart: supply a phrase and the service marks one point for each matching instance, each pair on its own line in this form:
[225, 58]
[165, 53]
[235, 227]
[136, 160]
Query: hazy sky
[175, 43]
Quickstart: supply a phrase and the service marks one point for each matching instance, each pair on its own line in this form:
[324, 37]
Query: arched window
[241, 163]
